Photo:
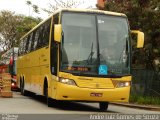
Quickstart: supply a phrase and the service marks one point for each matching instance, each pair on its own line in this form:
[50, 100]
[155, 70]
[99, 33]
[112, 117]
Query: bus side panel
[44, 67]
[53, 87]
[26, 72]
[34, 71]
[20, 69]
[34, 67]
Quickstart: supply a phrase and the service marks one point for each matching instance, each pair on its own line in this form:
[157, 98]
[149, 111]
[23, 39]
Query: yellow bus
[78, 55]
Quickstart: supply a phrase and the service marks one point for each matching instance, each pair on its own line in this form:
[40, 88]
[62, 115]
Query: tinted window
[32, 40]
[20, 51]
[44, 31]
[36, 37]
[28, 45]
[24, 45]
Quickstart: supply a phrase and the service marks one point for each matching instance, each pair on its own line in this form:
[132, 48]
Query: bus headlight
[123, 84]
[67, 81]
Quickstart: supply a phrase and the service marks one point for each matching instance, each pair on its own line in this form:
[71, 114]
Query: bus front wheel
[49, 100]
[103, 106]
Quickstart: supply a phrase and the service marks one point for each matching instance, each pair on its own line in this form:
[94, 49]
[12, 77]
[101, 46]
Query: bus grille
[97, 84]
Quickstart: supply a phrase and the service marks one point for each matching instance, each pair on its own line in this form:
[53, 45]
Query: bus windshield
[90, 41]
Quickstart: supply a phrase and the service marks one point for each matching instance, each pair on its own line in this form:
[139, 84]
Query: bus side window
[36, 39]
[32, 40]
[24, 45]
[46, 32]
[20, 50]
[43, 39]
[40, 38]
[27, 44]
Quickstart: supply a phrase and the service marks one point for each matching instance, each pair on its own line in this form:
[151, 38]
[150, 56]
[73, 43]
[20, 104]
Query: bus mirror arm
[140, 38]
[57, 32]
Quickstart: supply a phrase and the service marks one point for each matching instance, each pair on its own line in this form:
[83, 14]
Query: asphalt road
[37, 105]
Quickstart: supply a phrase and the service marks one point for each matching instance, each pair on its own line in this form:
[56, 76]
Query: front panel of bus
[94, 58]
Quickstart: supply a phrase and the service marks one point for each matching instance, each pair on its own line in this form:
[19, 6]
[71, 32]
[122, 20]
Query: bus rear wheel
[103, 106]
[23, 91]
[22, 88]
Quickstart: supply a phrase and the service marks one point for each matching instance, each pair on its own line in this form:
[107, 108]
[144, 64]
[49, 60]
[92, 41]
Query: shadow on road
[68, 105]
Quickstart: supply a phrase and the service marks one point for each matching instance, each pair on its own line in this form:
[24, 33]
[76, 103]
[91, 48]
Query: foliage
[8, 25]
[30, 5]
[62, 4]
[56, 4]
[13, 27]
[143, 15]
[146, 100]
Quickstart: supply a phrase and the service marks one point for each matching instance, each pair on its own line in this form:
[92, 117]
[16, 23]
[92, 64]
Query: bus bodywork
[90, 61]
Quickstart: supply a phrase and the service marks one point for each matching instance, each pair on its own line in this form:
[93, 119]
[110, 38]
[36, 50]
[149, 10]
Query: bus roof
[93, 11]
[76, 10]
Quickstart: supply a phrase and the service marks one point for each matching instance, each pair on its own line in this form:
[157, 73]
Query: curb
[152, 108]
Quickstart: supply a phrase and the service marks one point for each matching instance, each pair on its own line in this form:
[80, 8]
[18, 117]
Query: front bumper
[74, 93]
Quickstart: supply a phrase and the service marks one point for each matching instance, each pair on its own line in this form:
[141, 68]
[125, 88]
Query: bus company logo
[97, 85]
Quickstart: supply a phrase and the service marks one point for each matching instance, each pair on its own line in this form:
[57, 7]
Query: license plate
[96, 94]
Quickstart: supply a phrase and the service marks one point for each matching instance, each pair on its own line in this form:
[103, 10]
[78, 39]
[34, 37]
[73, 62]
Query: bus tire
[103, 106]
[22, 87]
[49, 100]
[23, 91]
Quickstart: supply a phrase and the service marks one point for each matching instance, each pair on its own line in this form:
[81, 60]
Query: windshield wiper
[89, 60]
[124, 53]
[127, 52]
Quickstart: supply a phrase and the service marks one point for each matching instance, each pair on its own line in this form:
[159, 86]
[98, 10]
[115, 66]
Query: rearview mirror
[139, 37]
[57, 32]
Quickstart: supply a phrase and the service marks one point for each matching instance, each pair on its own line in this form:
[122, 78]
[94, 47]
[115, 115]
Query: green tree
[143, 15]
[8, 23]
[13, 27]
